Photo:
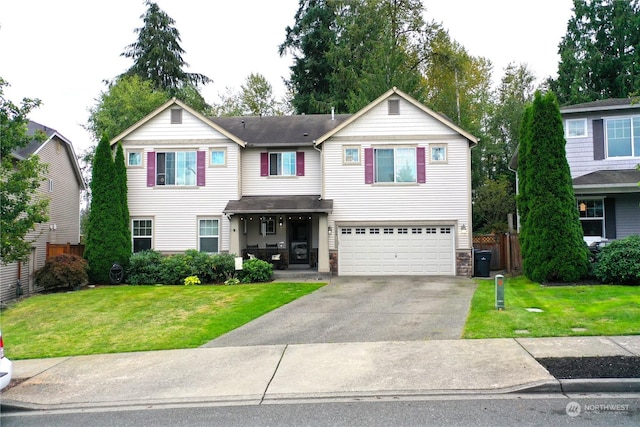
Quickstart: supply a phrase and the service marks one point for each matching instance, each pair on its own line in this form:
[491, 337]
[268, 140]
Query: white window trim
[200, 236]
[165, 185]
[584, 128]
[593, 218]
[214, 150]
[446, 153]
[606, 137]
[344, 155]
[295, 164]
[153, 229]
[129, 165]
[394, 148]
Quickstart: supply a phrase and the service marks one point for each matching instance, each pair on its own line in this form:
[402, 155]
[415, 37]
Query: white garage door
[380, 250]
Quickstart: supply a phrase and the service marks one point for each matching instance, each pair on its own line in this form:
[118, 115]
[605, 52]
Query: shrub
[256, 270]
[145, 268]
[224, 267]
[202, 264]
[174, 269]
[191, 280]
[62, 271]
[619, 262]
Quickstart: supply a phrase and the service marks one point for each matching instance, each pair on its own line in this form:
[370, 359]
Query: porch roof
[279, 205]
[609, 179]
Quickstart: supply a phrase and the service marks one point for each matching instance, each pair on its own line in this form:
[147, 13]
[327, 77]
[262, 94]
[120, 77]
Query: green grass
[598, 309]
[136, 318]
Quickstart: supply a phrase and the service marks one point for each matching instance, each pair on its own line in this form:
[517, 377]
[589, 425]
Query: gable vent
[394, 106]
[176, 116]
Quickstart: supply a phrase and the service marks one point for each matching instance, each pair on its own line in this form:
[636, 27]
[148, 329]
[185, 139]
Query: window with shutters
[623, 137]
[176, 168]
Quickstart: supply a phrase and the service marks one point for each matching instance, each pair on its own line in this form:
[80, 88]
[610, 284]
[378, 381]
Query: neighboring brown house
[63, 186]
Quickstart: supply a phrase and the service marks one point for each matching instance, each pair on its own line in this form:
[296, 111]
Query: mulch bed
[592, 367]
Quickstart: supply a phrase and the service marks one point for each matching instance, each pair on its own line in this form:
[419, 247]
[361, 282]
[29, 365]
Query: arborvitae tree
[121, 193]
[553, 248]
[104, 245]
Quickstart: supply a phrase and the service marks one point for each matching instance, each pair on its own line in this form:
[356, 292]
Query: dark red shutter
[420, 165]
[202, 169]
[598, 140]
[300, 163]
[264, 164]
[151, 169]
[368, 165]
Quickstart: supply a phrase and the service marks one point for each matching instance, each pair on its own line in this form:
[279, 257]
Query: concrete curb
[601, 385]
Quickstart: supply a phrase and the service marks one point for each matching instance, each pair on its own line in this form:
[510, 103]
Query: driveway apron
[364, 309]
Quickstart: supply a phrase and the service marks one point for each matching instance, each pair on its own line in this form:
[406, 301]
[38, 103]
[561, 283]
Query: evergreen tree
[600, 53]
[310, 40]
[104, 244]
[121, 190]
[553, 248]
[157, 54]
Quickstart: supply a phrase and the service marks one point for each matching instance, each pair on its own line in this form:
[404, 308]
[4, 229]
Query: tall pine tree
[105, 244]
[553, 248]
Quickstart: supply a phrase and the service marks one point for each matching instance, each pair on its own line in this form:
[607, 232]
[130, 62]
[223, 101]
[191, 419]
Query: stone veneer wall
[464, 264]
[333, 262]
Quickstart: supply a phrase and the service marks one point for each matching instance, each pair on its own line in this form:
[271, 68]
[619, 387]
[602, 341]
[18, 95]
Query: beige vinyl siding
[255, 185]
[175, 209]
[160, 128]
[443, 199]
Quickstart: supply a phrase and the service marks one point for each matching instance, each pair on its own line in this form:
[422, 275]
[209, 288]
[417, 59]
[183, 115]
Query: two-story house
[384, 191]
[603, 150]
[63, 187]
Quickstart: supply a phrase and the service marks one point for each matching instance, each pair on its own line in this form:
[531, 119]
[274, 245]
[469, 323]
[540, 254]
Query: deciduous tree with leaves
[21, 208]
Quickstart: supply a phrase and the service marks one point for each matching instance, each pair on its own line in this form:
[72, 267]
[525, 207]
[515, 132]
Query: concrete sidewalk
[285, 373]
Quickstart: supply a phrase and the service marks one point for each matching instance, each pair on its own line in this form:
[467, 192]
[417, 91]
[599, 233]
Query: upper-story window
[283, 164]
[623, 137]
[351, 155]
[395, 164]
[134, 158]
[218, 157]
[176, 168]
[575, 128]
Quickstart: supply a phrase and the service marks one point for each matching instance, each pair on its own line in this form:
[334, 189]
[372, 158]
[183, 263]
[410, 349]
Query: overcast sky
[61, 51]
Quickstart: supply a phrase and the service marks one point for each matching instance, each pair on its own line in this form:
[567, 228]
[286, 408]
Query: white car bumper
[6, 372]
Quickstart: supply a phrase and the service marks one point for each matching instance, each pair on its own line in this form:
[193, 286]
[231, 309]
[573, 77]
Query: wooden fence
[505, 251]
[67, 248]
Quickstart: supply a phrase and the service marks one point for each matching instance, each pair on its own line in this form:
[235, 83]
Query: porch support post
[234, 235]
[323, 244]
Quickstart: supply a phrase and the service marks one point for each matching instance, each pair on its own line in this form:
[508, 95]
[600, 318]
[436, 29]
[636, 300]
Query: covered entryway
[396, 250]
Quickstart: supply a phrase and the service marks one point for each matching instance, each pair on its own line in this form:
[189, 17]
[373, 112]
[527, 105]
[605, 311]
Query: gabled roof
[34, 147]
[184, 106]
[265, 131]
[442, 119]
[603, 105]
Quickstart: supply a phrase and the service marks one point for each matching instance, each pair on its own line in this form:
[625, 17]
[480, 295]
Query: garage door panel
[389, 250]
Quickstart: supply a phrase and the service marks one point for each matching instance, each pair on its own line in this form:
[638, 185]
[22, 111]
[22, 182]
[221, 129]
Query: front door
[299, 241]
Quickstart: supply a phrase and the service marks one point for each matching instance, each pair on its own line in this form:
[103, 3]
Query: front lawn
[136, 318]
[566, 310]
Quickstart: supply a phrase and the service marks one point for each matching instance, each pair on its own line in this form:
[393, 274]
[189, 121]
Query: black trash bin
[482, 263]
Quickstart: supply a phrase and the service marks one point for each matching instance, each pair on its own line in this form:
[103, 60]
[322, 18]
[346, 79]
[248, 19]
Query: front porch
[291, 232]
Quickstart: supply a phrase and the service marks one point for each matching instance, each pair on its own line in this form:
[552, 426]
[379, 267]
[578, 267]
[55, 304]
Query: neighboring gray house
[63, 187]
[603, 150]
[384, 191]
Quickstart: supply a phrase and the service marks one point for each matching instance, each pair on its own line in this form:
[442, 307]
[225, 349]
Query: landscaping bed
[592, 367]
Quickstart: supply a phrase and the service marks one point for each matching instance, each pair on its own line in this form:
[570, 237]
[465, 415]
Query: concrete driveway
[364, 309]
